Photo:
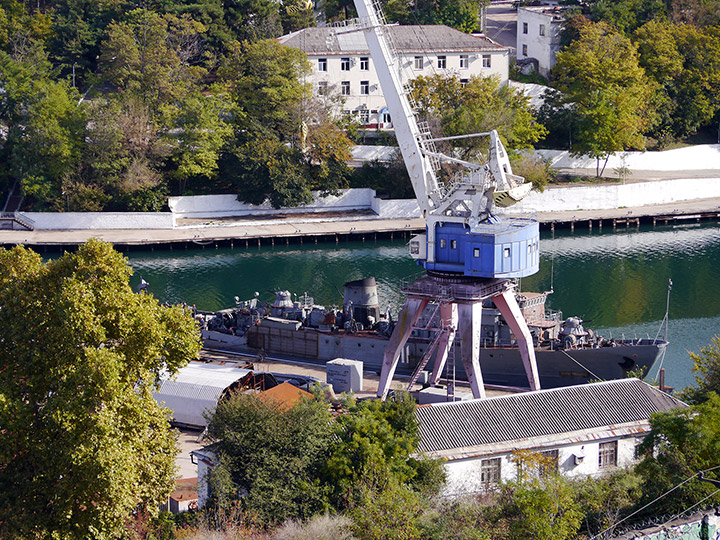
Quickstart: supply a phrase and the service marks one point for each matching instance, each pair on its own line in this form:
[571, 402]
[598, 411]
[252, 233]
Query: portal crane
[469, 252]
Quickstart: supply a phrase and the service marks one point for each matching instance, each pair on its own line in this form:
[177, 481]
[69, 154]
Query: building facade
[342, 71]
[583, 430]
[538, 36]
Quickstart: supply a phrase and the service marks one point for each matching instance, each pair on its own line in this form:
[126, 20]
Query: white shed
[196, 389]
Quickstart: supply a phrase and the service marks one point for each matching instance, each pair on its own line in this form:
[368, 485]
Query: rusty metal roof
[446, 426]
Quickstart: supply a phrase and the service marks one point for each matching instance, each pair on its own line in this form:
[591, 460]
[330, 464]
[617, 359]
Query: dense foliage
[283, 463]
[671, 71]
[83, 441]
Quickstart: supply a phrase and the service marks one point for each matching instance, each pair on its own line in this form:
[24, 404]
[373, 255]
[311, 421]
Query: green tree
[540, 508]
[478, 105]
[271, 456]
[608, 498]
[269, 158]
[155, 57]
[681, 443]
[683, 61]
[373, 448]
[43, 126]
[706, 366]
[84, 442]
[607, 90]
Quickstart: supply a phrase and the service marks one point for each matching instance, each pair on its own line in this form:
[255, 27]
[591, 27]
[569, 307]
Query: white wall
[541, 47]
[375, 101]
[601, 197]
[200, 206]
[463, 475]
[100, 220]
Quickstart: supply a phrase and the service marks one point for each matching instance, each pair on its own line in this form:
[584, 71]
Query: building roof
[407, 39]
[285, 395]
[465, 424]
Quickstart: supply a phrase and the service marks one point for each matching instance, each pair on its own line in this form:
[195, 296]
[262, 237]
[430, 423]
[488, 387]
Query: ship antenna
[665, 322]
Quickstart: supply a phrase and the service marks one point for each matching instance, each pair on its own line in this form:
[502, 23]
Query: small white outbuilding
[196, 389]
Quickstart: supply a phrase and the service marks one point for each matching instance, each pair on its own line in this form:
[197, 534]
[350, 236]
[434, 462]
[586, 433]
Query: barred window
[490, 472]
[607, 455]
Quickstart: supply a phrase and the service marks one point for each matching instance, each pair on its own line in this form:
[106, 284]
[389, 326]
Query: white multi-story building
[341, 63]
[538, 35]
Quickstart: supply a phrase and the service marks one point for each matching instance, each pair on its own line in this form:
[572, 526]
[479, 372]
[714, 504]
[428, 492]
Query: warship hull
[500, 366]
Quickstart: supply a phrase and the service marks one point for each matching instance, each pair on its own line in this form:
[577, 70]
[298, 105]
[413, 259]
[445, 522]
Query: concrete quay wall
[613, 196]
[59, 221]
[219, 206]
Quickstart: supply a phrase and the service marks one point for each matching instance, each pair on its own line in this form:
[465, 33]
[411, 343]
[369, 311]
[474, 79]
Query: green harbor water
[616, 281]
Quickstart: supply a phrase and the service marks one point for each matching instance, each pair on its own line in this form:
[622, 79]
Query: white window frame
[542, 30]
[442, 62]
[322, 64]
[464, 61]
[524, 49]
[419, 63]
[364, 88]
[486, 60]
[345, 88]
[345, 63]
[322, 88]
[464, 82]
[525, 28]
[364, 63]
[364, 116]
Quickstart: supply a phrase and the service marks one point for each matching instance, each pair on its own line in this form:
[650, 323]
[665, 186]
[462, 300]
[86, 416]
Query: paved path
[501, 25]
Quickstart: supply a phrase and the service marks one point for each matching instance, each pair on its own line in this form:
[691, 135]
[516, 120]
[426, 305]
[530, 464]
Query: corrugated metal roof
[406, 38]
[446, 426]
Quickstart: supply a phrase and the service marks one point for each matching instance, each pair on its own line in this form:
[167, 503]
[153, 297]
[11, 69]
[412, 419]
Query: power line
[657, 499]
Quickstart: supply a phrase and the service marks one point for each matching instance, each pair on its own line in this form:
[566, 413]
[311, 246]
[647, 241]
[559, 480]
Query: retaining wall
[100, 220]
[216, 206]
[606, 196]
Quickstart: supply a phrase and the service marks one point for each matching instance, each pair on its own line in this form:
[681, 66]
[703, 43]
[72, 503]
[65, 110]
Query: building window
[345, 88]
[525, 28]
[476, 252]
[453, 244]
[364, 87]
[442, 62]
[542, 29]
[549, 463]
[607, 456]
[442, 243]
[464, 82]
[386, 119]
[322, 64]
[418, 62]
[322, 88]
[464, 61]
[364, 116]
[524, 50]
[506, 253]
[364, 63]
[487, 62]
[345, 64]
[490, 472]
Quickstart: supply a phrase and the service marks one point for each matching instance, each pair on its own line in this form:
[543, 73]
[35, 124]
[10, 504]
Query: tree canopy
[480, 104]
[84, 442]
[607, 91]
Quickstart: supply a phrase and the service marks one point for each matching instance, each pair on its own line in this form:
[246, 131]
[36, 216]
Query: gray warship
[294, 327]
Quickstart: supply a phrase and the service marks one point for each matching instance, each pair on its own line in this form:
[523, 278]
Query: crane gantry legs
[460, 306]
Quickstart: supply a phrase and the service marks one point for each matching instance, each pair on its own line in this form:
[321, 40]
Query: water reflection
[616, 280]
